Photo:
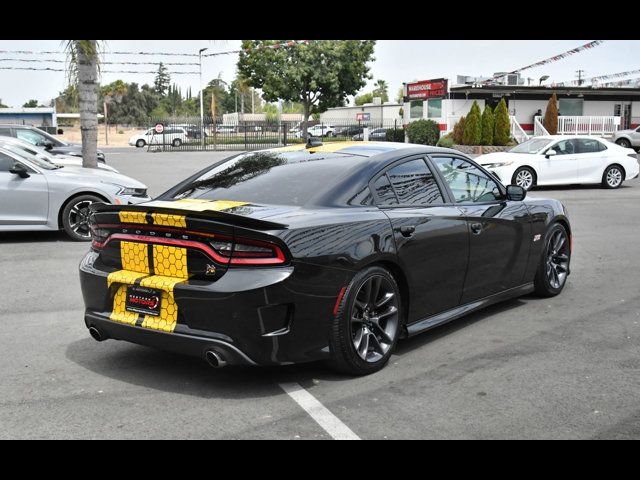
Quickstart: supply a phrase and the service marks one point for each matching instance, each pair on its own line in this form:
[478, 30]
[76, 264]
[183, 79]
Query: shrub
[473, 127]
[120, 132]
[550, 121]
[395, 135]
[502, 127]
[487, 126]
[446, 141]
[458, 131]
[425, 132]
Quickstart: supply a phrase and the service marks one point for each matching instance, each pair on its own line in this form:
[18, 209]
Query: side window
[584, 145]
[467, 182]
[565, 147]
[414, 184]
[30, 136]
[6, 162]
[384, 191]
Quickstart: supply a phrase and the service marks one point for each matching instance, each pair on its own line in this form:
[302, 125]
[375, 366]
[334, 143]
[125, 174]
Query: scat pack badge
[536, 237]
[211, 270]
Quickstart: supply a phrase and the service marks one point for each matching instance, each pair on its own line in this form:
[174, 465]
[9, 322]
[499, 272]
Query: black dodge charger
[328, 252]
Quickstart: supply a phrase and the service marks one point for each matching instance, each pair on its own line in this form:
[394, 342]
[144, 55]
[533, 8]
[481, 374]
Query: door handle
[407, 230]
[476, 228]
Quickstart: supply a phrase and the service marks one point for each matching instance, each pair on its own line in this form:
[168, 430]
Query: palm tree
[83, 70]
[381, 90]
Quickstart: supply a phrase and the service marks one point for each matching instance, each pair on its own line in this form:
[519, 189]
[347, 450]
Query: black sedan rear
[326, 253]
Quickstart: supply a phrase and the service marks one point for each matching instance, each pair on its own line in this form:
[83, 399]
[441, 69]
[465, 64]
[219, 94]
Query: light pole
[201, 99]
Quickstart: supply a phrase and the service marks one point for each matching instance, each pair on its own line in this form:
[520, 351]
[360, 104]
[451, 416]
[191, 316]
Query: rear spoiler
[219, 216]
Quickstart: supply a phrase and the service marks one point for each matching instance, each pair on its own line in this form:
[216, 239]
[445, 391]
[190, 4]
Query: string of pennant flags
[555, 58]
[598, 79]
[291, 43]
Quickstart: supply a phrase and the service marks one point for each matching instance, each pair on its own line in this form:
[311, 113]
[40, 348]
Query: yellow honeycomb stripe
[196, 205]
[135, 256]
[119, 312]
[336, 146]
[133, 217]
[169, 220]
[168, 317]
[123, 276]
[170, 261]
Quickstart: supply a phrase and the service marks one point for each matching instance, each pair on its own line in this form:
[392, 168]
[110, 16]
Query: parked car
[299, 126]
[332, 252]
[627, 138]
[38, 195]
[40, 138]
[193, 131]
[226, 129]
[348, 131]
[563, 160]
[25, 147]
[319, 130]
[174, 136]
[377, 134]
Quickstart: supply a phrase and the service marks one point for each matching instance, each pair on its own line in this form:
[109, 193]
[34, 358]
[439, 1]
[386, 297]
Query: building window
[415, 110]
[434, 108]
[570, 106]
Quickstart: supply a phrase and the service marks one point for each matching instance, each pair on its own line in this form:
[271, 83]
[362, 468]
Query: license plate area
[143, 300]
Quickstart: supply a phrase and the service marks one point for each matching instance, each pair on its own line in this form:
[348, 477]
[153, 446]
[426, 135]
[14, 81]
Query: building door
[623, 110]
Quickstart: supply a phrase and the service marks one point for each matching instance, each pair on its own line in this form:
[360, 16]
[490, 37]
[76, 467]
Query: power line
[32, 60]
[102, 71]
[31, 52]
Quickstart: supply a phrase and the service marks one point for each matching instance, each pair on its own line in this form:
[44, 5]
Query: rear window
[281, 178]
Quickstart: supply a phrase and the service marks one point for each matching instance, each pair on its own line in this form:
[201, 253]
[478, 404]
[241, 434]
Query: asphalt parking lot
[566, 367]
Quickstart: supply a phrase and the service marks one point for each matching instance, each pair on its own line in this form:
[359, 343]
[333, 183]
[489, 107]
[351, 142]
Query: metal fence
[189, 134]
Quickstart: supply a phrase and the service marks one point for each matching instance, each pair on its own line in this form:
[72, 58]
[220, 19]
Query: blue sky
[396, 61]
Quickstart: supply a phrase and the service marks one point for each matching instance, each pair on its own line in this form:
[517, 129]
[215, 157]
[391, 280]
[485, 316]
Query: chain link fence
[189, 134]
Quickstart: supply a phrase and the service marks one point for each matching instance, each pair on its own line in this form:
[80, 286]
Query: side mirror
[516, 193]
[550, 153]
[20, 170]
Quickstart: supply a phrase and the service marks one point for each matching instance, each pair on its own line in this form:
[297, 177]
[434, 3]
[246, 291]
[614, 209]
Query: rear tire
[524, 177]
[613, 176]
[176, 142]
[553, 267]
[140, 143]
[366, 328]
[75, 216]
[623, 142]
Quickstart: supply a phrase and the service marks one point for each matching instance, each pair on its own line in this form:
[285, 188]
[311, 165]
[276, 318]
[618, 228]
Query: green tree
[162, 82]
[365, 98]
[458, 131]
[473, 126]
[319, 75]
[502, 124]
[550, 121]
[400, 95]
[30, 104]
[424, 132]
[381, 90]
[83, 71]
[67, 100]
[487, 126]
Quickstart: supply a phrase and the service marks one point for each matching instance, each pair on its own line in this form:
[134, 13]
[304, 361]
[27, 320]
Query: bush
[395, 135]
[425, 132]
[550, 121]
[473, 126]
[446, 141]
[458, 131]
[120, 132]
[502, 126]
[487, 126]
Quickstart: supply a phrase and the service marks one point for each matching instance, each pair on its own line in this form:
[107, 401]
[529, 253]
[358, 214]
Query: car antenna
[314, 142]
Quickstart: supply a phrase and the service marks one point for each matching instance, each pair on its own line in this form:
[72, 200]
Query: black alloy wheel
[553, 269]
[367, 325]
[75, 217]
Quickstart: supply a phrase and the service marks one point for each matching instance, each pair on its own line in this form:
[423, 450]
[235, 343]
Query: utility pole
[201, 99]
[253, 101]
[580, 80]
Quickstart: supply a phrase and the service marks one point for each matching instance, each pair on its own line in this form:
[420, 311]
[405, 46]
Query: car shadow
[552, 188]
[30, 237]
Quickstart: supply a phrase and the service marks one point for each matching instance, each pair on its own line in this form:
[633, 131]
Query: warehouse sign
[363, 117]
[425, 89]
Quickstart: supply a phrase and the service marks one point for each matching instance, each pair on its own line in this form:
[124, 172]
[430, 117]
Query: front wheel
[524, 177]
[613, 176]
[140, 143]
[75, 217]
[176, 142]
[367, 325]
[553, 267]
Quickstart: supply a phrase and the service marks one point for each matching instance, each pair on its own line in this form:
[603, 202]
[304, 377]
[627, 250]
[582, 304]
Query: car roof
[365, 149]
[559, 137]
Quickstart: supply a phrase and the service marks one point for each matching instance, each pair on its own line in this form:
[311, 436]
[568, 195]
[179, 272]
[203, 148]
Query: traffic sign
[159, 128]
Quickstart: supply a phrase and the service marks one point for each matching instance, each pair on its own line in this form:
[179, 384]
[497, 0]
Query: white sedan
[563, 160]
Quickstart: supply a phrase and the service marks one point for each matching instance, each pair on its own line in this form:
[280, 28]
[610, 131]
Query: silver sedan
[38, 195]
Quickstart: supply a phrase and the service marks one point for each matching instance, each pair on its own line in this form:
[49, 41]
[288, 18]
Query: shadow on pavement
[30, 237]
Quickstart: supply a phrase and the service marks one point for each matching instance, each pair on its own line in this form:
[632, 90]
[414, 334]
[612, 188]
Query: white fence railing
[517, 131]
[538, 128]
[583, 125]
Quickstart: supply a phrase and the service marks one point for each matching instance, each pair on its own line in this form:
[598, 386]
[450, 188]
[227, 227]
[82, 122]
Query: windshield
[22, 152]
[282, 178]
[531, 146]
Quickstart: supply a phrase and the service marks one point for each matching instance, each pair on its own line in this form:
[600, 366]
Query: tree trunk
[88, 96]
[305, 118]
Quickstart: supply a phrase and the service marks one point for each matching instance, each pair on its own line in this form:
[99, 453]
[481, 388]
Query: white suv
[174, 136]
[320, 130]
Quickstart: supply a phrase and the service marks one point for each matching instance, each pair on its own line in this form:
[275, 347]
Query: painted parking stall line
[321, 414]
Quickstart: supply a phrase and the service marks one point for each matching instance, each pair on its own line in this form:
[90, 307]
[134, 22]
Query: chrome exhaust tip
[95, 333]
[215, 359]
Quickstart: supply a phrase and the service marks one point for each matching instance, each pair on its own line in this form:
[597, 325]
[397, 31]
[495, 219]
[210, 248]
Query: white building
[379, 114]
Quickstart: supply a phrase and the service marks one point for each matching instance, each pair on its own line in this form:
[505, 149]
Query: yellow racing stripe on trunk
[132, 217]
[169, 220]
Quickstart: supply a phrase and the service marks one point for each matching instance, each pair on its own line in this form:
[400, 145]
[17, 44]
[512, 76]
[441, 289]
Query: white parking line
[321, 414]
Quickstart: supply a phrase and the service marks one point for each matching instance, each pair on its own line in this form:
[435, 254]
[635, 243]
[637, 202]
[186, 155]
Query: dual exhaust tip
[212, 357]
